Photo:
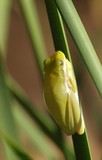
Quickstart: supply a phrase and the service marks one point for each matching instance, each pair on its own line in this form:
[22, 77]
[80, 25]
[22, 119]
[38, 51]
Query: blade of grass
[5, 6]
[15, 147]
[35, 135]
[55, 21]
[57, 42]
[82, 41]
[29, 12]
[83, 148]
[7, 124]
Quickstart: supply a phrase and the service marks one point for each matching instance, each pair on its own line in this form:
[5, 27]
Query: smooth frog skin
[61, 95]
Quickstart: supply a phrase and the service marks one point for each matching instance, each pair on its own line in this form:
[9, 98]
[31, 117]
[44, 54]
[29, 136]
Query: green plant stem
[57, 28]
[28, 9]
[7, 123]
[82, 41]
[82, 152]
[15, 147]
[34, 133]
[5, 6]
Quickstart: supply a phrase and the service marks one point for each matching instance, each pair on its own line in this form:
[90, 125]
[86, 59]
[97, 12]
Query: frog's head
[55, 64]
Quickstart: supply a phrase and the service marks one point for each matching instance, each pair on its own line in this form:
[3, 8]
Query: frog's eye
[61, 63]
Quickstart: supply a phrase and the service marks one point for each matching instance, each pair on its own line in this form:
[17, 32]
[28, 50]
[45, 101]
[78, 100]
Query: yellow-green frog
[61, 95]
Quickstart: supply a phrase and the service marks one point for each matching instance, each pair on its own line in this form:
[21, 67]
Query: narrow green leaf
[37, 138]
[7, 124]
[29, 12]
[81, 148]
[15, 147]
[5, 6]
[82, 41]
[57, 28]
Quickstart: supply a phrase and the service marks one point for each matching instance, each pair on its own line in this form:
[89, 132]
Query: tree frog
[61, 94]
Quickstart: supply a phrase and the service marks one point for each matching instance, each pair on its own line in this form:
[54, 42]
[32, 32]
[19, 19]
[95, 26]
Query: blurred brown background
[22, 66]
